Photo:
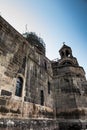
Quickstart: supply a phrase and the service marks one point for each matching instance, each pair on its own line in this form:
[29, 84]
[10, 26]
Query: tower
[67, 57]
[65, 51]
[70, 86]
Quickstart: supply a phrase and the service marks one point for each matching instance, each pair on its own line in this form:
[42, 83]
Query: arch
[62, 54]
[68, 53]
[19, 86]
[67, 62]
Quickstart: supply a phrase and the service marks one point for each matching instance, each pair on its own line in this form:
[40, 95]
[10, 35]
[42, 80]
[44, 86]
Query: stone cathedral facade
[32, 86]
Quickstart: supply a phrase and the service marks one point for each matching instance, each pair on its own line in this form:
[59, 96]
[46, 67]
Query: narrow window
[42, 97]
[24, 62]
[45, 65]
[35, 71]
[19, 85]
[48, 87]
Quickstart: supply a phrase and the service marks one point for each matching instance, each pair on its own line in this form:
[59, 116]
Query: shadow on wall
[65, 126]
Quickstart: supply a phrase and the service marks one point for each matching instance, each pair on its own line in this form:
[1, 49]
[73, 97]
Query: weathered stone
[7, 93]
[35, 87]
[2, 102]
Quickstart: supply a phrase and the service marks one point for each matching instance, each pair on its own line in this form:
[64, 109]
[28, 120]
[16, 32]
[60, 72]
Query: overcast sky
[56, 21]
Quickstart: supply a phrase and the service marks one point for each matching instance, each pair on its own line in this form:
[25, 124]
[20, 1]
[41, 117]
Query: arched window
[19, 85]
[67, 53]
[62, 54]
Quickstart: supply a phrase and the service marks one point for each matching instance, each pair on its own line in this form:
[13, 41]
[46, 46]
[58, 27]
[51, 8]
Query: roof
[64, 46]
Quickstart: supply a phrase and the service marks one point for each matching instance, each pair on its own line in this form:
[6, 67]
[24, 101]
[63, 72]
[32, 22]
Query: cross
[63, 43]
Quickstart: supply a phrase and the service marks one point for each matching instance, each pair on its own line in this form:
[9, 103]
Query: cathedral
[33, 86]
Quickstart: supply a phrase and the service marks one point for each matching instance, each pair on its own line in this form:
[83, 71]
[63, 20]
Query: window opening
[42, 97]
[48, 87]
[45, 64]
[19, 85]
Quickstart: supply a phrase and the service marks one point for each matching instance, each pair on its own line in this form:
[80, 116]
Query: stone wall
[31, 86]
[70, 86]
[14, 108]
[29, 124]
[20, 60]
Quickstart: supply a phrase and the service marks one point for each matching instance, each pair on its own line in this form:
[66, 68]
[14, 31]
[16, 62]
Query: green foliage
[36, 41]
[33, 38]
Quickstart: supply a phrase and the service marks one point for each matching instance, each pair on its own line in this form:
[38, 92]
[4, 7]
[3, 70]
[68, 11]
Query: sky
[55, 21]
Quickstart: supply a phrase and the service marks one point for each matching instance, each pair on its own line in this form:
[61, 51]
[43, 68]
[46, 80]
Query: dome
[36, 41]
